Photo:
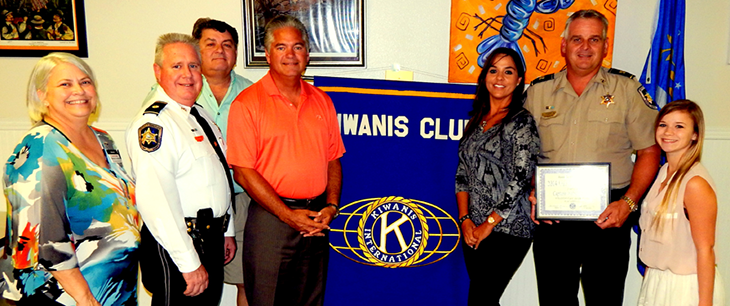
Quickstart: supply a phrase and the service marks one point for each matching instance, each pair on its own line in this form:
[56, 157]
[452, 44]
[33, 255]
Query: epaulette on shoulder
[622, 73]
[155, 108]
[543, 78]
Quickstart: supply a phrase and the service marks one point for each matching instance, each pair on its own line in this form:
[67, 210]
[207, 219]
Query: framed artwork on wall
[533, 31]
[336, 30]
[36, 28]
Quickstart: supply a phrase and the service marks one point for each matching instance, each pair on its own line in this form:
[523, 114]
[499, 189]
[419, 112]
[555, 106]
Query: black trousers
[162, 278]
[492, 265]
[280, 266]
[579, 251]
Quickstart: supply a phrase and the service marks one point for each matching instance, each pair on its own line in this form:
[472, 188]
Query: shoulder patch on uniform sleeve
[543, 78]
[622, 73]
[646, 97]
[155, 108]
[150, 137]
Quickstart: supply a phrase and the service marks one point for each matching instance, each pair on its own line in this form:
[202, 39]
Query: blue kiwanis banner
[396, 241]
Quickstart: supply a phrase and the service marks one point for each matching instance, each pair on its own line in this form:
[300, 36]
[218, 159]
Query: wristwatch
[337, 209]
[632, 205]
[491, 221]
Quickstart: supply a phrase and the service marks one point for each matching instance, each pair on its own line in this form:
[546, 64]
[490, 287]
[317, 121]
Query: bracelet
[462, 219]
[337, 209]
[632, 205]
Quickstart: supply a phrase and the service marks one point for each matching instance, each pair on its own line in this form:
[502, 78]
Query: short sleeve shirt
[289, 146]
[611, 119]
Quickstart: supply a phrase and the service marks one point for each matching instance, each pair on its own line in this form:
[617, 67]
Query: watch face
[491, 220]
[337, 209]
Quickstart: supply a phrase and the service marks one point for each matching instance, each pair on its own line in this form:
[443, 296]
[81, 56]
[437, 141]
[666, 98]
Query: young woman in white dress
[678, 217]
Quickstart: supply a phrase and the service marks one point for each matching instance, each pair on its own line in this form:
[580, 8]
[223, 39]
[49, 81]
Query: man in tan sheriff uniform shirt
[588, 114]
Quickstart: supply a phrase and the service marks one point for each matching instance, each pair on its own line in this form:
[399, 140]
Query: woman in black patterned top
[497, 157]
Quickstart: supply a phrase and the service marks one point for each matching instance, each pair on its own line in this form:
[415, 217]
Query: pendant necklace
[484, 122]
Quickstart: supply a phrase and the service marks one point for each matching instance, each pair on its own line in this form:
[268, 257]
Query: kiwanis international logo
[394, 232]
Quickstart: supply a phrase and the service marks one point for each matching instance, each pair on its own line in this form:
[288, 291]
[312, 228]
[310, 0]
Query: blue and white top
[496, 168]
[67, 212]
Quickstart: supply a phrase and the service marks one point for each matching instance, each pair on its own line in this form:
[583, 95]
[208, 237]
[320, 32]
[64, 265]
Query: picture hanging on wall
[532, 29]
[38, 27]
[336, 30]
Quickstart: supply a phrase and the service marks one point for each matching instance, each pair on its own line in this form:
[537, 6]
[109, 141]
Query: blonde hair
[39, 81]
[688, 159]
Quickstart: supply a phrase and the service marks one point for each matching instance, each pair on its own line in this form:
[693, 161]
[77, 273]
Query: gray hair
[284, 21]
[39, 81]
[587, 14]
[173, 38]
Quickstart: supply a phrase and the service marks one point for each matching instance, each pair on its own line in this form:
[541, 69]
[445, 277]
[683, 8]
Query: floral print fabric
[66, 212]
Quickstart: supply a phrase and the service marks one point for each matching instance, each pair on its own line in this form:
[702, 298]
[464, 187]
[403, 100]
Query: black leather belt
[317, 202]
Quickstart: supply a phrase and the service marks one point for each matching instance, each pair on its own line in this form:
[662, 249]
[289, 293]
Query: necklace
[486, 119]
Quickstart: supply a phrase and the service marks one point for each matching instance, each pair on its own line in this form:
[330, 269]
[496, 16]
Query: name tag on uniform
[549, 112]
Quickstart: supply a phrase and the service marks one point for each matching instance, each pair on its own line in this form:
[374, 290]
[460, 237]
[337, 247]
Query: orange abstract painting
[533, 28]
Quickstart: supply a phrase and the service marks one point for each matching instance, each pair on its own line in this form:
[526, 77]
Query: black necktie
[214, 142]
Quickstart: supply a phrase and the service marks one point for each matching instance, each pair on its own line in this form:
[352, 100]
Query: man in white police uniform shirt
[184, 193]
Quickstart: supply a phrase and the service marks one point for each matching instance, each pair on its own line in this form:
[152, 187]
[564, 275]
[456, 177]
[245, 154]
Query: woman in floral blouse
[497, 157]
[73, 227]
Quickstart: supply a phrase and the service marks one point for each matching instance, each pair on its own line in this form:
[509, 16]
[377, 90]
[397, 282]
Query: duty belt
[213, 225]
[204, 226]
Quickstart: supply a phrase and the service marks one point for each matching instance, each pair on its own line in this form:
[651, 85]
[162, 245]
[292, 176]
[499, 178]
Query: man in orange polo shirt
[284, 145]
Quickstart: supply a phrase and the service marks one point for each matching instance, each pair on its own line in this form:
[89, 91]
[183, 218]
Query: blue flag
[663, 74]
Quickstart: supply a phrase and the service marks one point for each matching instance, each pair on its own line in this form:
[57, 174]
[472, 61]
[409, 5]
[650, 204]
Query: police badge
[607, 100]
[150, 137]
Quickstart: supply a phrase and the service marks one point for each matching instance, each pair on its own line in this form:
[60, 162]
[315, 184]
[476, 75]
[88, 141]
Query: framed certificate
[572, 191]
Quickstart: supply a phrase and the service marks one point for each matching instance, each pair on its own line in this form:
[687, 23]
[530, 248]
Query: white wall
[412, 33]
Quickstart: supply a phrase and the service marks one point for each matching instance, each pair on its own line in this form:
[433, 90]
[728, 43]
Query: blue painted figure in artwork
[514, 24]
